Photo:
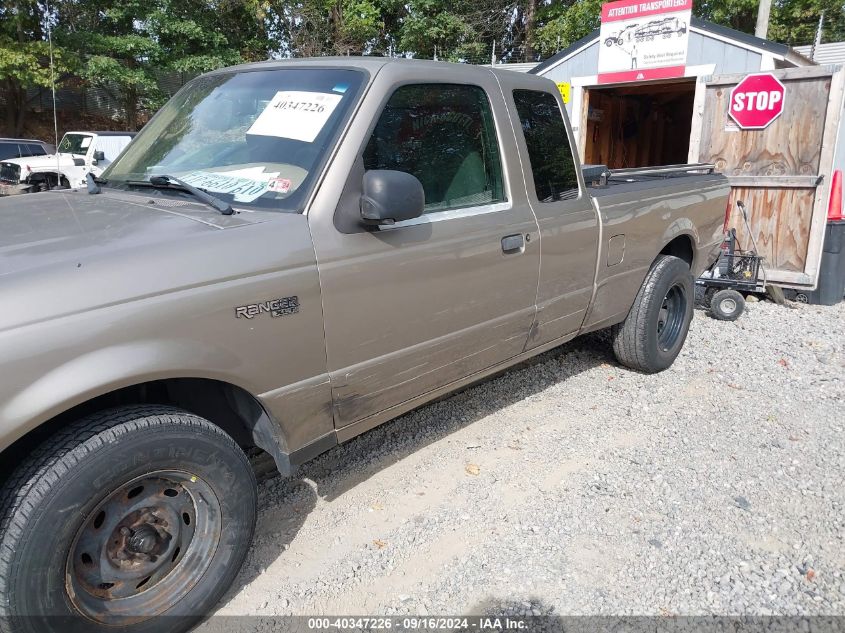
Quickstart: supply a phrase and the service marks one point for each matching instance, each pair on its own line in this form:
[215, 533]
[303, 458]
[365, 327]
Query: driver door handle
[512, 244]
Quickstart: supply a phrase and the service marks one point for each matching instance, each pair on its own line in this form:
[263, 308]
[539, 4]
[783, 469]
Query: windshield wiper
[170, 182]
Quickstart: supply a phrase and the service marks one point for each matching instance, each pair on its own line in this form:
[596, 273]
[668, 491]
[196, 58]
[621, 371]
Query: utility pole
[493, 55]
[53, 89]
[763, 12]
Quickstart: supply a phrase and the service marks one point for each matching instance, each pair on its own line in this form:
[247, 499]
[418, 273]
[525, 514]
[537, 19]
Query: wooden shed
[783, 172]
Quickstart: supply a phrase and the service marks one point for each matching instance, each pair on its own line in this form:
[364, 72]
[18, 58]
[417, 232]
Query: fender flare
[106, 370]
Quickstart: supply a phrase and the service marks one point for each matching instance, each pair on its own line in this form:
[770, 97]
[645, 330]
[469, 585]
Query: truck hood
[48, 161]
[43, 229]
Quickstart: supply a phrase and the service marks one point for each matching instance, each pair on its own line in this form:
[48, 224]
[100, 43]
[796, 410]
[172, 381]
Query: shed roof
[708, 29]
[830, 53]
[520, 67]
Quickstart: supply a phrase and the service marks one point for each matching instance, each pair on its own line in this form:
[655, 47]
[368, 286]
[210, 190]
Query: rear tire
[121, 519]
[727, 305]
[653, 333]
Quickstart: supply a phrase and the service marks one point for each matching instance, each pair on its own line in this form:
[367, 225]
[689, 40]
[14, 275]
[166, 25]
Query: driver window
[444, 135]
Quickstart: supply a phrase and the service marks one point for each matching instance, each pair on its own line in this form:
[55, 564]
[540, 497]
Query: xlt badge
[276, 308]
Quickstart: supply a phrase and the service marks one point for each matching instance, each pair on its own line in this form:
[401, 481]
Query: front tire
[122, 518]
[653, 333]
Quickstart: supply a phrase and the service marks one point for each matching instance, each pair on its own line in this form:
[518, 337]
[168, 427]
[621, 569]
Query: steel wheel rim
[143, 547]
[727, 305]
[670, 317]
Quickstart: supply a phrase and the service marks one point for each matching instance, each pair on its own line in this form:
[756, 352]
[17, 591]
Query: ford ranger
[289, 254]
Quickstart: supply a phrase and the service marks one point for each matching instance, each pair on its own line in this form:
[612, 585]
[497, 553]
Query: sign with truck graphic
[641, 41]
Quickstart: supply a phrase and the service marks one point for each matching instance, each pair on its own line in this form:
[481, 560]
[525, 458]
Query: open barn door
[783, 171]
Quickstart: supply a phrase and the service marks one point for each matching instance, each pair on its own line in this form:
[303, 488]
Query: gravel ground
[570, 485]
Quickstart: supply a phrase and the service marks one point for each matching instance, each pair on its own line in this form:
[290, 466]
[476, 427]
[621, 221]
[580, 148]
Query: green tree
[311, 28]
[564, 23]
[25, 58]
[125, 44]
[795, 22]
[736, 14]
[459, 31]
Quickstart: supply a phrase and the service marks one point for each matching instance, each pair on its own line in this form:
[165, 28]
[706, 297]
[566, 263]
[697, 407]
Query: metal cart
[720, 288]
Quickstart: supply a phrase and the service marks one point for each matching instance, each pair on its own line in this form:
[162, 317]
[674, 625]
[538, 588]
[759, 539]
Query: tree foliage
[24, 57]
[125, 45]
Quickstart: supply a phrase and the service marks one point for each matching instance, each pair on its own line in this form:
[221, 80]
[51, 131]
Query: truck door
[569, 224]
[412, 307]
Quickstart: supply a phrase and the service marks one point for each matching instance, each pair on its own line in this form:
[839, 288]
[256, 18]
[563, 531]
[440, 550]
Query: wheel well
[680, 247]
[52, 178]
[231, 408]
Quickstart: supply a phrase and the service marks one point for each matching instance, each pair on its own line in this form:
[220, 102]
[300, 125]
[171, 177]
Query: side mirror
[391, 196]
[98, 156]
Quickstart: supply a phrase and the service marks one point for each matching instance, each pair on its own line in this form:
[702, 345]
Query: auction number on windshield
[295, 114]
[304, 106]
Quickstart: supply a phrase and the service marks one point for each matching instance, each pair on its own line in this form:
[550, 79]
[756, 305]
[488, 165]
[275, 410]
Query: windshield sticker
[295, 115]
[243, 188]
[85, 142]
[279, 185]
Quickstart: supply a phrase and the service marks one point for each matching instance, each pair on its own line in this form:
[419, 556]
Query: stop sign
[756, 101]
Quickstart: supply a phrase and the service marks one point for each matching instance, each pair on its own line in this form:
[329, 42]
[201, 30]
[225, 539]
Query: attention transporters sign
[643, 40]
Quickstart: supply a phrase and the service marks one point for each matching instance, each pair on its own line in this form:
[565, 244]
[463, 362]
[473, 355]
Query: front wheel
[132, 520]
[653, 333]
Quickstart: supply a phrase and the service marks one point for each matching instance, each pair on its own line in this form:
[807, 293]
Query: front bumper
[9, 189]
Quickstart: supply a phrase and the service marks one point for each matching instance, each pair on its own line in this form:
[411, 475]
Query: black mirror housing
[99, 155]
[391, 196]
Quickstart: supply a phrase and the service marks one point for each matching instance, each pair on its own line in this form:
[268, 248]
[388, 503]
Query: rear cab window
[547, 141]
[445, 136]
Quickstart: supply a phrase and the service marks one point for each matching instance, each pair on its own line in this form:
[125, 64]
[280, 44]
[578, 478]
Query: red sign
[756, 101]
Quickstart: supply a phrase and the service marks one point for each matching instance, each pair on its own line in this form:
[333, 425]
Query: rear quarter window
[549, 152]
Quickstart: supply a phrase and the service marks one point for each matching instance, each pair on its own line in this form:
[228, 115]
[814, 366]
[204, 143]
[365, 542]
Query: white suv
[78, 153]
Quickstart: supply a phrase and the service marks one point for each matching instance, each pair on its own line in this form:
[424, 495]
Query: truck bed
[643, 210]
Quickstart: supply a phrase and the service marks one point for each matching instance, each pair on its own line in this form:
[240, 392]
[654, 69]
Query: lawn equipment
[721, 287]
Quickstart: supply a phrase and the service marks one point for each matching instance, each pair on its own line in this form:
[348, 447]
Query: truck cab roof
[371, 65]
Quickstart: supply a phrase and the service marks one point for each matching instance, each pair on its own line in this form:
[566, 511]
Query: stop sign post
[756, 101]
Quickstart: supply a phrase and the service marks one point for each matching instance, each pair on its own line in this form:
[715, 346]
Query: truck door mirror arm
[391, 196]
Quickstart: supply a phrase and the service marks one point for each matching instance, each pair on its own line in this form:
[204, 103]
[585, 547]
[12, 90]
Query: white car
[78, 153]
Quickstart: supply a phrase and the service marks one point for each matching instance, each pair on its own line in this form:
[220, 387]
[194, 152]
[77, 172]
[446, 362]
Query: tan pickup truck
[289, 254]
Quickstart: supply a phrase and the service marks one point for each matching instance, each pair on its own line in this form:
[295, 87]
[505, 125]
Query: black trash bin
[831, 288]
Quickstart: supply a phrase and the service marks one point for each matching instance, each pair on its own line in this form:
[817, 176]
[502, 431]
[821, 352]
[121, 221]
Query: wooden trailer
[783, 173]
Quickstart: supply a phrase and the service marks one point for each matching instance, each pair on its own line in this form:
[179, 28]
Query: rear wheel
[653, 333]
[727, 305]
[121, 519]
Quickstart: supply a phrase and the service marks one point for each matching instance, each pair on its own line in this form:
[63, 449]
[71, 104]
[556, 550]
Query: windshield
[253, 137]
[75, 144]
